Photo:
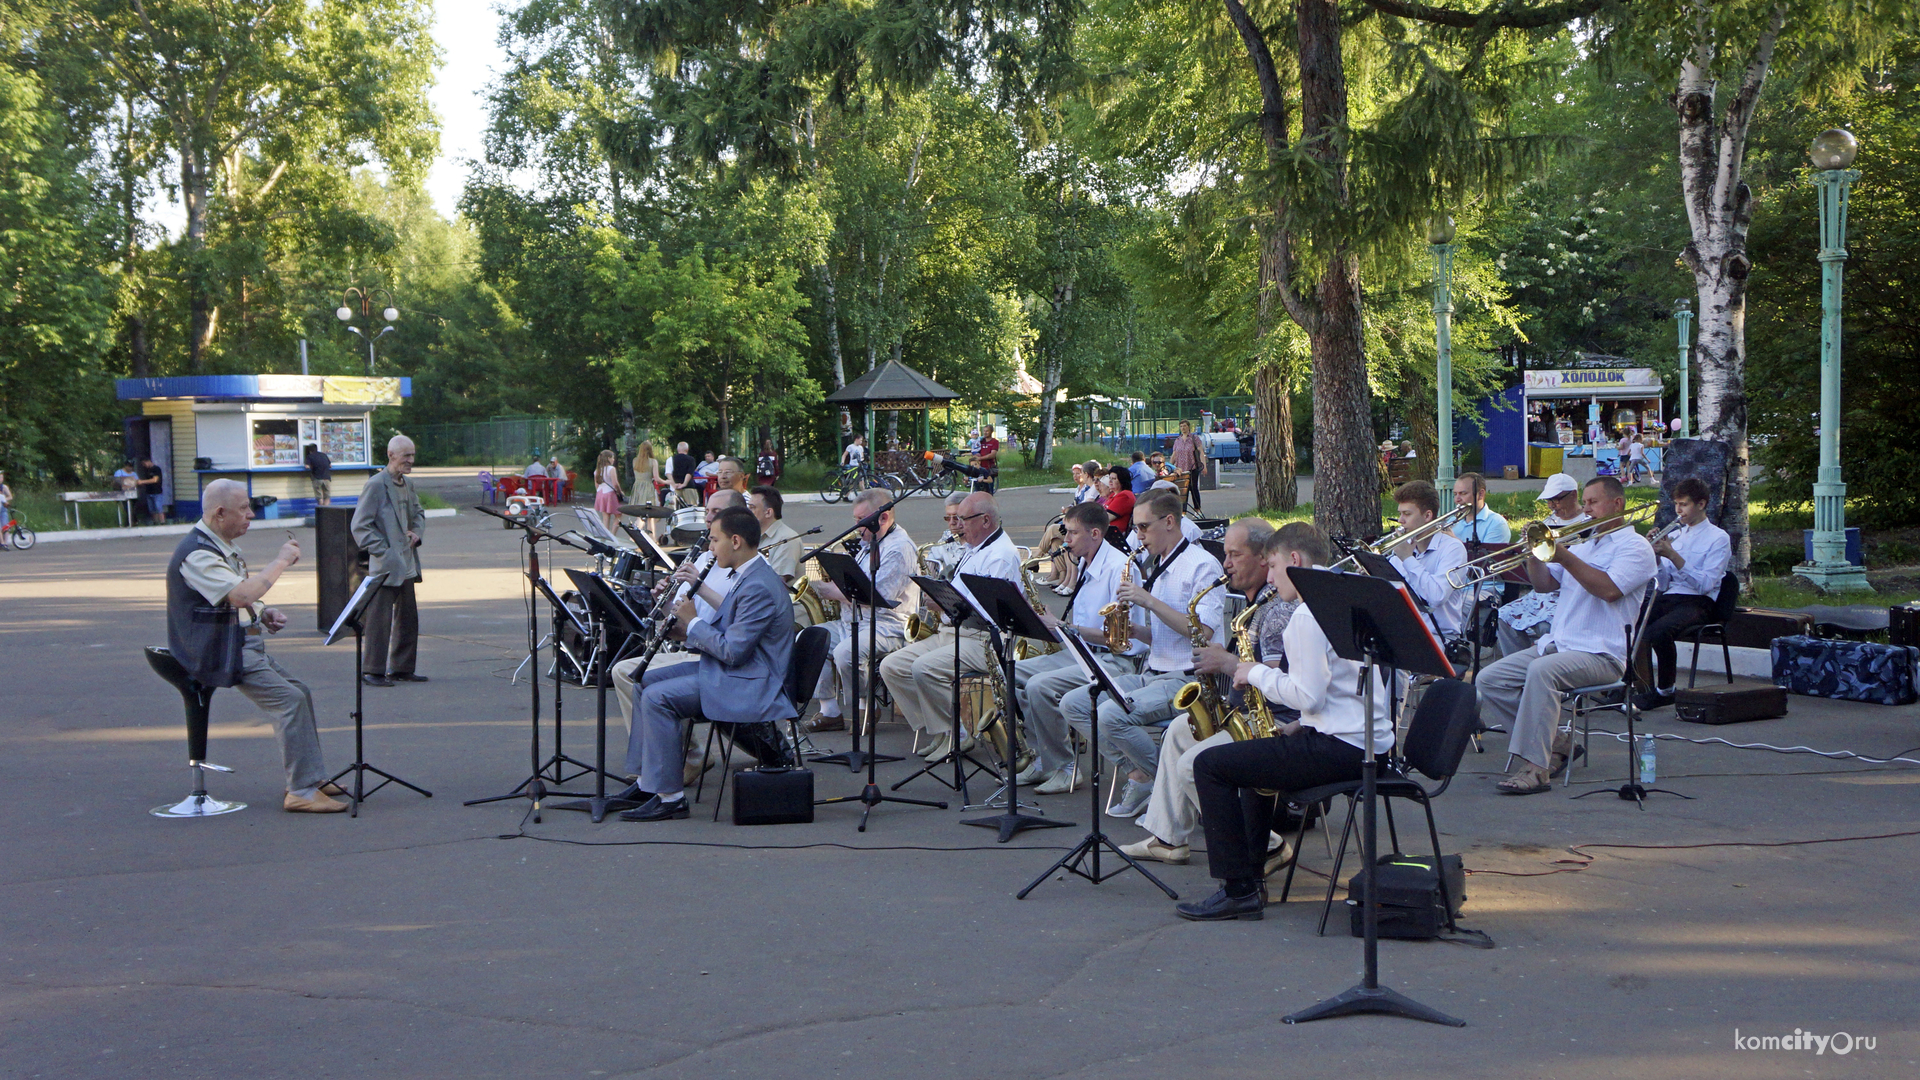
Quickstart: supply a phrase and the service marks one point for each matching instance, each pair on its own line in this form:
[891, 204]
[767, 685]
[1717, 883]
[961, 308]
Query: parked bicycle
[844, 480]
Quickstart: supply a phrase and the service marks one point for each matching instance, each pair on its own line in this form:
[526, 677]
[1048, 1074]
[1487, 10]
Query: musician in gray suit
[741, 678]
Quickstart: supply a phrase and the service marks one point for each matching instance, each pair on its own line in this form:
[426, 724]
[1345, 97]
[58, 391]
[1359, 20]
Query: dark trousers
[1670, 617]
[393, 631]
[1193, 489]
[1236, 817]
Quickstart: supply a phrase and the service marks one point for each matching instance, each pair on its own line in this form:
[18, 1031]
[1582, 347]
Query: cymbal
[641, 510]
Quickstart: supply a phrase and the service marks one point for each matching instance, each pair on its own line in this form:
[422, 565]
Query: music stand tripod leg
[1096, 838]
[360, 768]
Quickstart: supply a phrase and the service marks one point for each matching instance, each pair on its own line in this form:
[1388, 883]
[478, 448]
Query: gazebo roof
[893, 386]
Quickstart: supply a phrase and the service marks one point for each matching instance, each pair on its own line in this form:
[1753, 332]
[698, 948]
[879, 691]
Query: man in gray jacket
[741, 679]
[388, 525]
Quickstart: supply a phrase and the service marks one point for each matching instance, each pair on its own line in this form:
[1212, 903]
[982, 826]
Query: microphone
[947, 464]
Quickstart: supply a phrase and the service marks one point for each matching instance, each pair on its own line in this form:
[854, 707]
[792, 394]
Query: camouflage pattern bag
[1846, 670]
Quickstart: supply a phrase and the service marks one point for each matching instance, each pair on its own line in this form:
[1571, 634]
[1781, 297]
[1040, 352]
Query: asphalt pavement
[430, 939]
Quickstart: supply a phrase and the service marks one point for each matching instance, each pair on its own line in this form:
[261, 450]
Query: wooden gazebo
[895, 386]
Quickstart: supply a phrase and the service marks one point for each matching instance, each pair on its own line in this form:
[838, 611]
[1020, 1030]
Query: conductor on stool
[206, 581]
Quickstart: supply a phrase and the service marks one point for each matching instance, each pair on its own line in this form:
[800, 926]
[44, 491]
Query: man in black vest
[209, 594]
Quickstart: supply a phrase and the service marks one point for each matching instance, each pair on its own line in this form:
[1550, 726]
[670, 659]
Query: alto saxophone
[1119, 616]
[1200, 699]
[1254, 719]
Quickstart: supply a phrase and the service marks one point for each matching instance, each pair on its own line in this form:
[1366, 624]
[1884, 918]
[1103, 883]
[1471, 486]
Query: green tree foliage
[56, 396]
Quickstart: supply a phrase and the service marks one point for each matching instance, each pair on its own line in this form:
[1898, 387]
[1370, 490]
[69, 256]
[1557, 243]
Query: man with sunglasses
[1177, 569]
[920, 676]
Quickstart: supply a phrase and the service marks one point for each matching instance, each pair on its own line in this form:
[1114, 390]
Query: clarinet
[664, 609]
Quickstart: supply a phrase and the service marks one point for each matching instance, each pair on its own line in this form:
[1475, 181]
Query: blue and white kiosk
[254, 429]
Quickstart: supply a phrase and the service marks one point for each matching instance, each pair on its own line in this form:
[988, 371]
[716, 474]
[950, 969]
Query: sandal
[1513, 785]
[1566, 760]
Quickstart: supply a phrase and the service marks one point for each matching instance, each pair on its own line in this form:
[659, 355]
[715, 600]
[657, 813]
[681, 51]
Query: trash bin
[1545, 459]
[266, 507]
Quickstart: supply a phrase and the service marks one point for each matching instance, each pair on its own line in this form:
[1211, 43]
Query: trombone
[1540, 541]
[1407, 536]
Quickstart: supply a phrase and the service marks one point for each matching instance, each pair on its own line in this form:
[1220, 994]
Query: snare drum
[688, 523]
[630, 565]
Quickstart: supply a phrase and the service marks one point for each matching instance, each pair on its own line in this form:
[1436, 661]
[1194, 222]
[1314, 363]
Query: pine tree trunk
[1346, 472]
[1276, 465]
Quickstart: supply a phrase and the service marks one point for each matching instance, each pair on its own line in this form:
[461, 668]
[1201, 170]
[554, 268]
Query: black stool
[198, 698]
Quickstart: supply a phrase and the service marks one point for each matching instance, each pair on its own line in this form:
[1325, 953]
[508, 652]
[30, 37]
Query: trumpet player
[1173, 810]
[898, 563]
[1693, 557]
[1600, 583]
[1426, 560]
[1326, 745]
[1180, 572]
[1041, 682]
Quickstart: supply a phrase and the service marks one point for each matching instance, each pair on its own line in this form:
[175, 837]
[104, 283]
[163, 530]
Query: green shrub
[1775, 560]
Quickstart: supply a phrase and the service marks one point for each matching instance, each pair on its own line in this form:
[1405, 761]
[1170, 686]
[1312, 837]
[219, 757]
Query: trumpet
[1408, 536]
[1540, 541]
[1666, 530]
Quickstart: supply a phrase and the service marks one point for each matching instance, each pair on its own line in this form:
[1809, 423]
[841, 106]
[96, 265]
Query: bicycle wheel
[944, 483]
[23, 537]
[831, 490]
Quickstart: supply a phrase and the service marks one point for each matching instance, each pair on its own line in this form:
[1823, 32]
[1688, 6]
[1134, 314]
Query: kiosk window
[276, 442]
[344, 440]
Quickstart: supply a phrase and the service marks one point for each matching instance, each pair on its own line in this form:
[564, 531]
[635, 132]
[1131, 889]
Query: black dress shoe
[1650, 700]
[376, 680]
[655, 810]
[631, 795]
[1220, 906]
[408, 677]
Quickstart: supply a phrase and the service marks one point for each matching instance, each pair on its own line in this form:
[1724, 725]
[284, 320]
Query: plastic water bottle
[1646, 759]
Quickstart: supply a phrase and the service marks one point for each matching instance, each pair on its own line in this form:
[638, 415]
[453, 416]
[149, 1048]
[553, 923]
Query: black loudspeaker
[1903, 624]
[336, 560]
[773, 797]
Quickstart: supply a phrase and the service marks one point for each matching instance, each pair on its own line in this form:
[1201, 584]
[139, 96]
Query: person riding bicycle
[855, 455]
[6, 501]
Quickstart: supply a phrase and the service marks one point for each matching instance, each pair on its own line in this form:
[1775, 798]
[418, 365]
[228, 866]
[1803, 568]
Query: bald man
[209, 589]
[388, 525]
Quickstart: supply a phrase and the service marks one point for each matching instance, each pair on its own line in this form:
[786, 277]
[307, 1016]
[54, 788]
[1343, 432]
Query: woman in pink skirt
[606, 490]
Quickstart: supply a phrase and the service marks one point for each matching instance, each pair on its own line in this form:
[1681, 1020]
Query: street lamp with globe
[365, 298]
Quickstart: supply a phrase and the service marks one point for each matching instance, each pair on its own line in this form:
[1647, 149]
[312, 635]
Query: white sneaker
[942, 743]
[1152, 848]
[1133, 800]
[1060, 783]
[1031, 775]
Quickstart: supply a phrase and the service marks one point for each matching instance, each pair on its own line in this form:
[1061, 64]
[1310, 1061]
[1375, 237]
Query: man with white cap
[1526, 620]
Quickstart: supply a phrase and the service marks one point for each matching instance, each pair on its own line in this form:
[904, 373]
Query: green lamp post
[1440, 238]
[1683, 324]
[1833, 151]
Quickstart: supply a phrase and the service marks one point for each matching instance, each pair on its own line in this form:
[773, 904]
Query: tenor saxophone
[1254, 719]
[1200, 699]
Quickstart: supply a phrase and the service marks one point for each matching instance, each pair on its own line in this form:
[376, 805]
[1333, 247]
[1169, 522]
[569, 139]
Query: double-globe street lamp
[365, 298]
[1440, 237]
[1832, 152]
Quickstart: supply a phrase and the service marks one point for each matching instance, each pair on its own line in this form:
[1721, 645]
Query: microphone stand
[552, 769]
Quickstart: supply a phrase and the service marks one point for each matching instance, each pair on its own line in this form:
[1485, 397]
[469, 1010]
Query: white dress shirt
[1188, 570]
[720, 581]
[1325, 688]
[1582, 622]
[1189, 532]
[1426, 574]
[995, 557]
[899, 561]
[1098, 580]
[1707, 550]
[1536, 608]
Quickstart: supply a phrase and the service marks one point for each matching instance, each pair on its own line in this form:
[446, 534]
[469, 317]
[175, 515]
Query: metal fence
[502, 440]
[1146, 425]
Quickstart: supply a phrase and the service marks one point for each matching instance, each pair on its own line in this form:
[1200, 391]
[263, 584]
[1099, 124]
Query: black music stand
[956, 608]
[351, 617]
[1098, 682]
[1374, 622]
[1633, 791]
[853, 583]
[1005, 609]
[551, 770]
[604, 607]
